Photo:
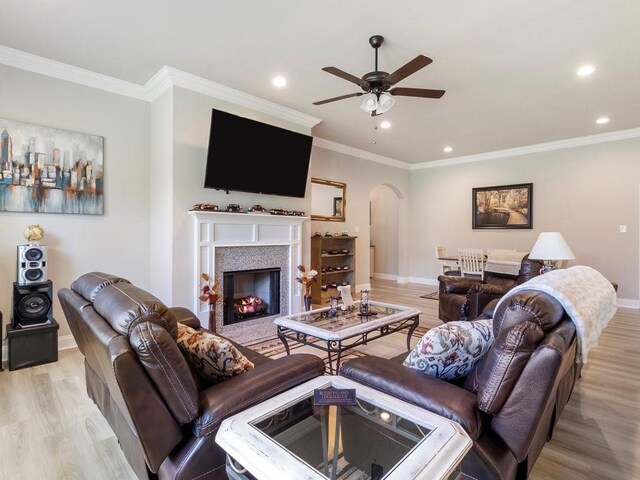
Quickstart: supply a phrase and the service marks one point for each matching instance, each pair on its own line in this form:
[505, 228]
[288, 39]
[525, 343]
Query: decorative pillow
[451, 350]
[214, 358]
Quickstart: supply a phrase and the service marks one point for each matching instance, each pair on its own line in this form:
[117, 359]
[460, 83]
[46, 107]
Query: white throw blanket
[586, 295]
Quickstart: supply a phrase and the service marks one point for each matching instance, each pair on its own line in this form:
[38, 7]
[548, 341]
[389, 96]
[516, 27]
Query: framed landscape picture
[505, 206]
[50, 170]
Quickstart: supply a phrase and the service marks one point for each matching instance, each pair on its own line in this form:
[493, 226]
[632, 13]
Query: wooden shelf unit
[321, 260]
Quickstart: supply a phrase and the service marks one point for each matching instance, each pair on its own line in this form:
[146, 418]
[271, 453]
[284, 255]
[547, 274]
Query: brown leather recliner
[510, 402]
[165, 419]
[464, 298]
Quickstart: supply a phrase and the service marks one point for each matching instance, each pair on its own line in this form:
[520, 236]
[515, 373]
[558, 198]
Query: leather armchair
[164, 416]
[511, 401]
[464, 298]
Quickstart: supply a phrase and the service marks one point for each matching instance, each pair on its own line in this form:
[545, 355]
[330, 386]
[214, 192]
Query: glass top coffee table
[347, 329]
[379, 437]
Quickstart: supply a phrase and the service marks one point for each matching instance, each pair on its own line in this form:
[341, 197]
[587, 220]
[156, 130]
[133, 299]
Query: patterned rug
[273, 347]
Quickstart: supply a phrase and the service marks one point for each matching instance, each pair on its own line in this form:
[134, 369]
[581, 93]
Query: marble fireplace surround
[226, 241]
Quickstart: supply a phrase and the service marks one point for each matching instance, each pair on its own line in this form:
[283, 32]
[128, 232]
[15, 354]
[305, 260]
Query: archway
[385, 227]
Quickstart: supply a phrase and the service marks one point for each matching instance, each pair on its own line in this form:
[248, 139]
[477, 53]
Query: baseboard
[385, 276]
[363, 286]
[398, 279]
[628, 303]
[424, 281]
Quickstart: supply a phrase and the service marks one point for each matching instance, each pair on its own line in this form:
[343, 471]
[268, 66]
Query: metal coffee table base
[337, 347]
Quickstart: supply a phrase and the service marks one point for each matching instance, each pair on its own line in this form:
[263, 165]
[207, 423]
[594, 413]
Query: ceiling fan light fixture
[369, 103]
[385, 102]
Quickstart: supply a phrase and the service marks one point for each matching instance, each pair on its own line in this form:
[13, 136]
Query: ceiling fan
[377, 85]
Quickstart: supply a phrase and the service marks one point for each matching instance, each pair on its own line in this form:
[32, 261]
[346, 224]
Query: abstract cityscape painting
[49, 170]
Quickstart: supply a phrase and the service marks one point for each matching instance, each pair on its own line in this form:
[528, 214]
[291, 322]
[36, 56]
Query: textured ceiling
[508, 67]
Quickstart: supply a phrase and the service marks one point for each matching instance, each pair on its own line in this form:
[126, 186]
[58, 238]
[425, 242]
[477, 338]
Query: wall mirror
[328, 200]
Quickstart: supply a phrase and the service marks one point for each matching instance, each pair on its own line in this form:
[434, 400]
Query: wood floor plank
[49, 428]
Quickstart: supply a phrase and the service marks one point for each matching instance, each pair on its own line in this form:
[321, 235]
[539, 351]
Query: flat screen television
[250, 156]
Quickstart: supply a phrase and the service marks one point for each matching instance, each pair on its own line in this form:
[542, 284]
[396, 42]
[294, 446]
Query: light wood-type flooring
[49, 429]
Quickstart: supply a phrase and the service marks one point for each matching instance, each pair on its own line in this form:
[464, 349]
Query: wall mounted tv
[250, 156]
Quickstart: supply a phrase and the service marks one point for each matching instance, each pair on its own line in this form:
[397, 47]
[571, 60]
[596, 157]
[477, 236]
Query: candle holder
[364, 303]
[333, 306]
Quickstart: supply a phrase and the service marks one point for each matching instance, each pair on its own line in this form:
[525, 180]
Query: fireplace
[230, 242]
[249, 294]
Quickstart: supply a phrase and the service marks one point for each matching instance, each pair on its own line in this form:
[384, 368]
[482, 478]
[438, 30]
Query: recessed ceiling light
[586, 70]
[279, 82]
[385, 124]
[448, 149]
[602, 120]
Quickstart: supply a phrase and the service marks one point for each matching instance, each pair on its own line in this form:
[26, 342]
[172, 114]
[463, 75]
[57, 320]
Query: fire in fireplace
[250, 293]
[249, 304]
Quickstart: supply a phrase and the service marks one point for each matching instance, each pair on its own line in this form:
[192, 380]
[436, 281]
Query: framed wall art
[49, 170]
[505, 206]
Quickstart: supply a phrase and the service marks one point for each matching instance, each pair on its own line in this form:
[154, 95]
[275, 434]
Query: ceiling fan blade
[322, 102]
[409, 68]
[347, 76]
[417, 92]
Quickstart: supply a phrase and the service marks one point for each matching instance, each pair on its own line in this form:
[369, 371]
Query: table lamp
[551, 247]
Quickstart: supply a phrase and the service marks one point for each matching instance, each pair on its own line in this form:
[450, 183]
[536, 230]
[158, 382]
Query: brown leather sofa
[464, 298]
[510, 402]
[165, 419]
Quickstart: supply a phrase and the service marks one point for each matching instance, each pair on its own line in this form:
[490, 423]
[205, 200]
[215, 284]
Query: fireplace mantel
[213, 230]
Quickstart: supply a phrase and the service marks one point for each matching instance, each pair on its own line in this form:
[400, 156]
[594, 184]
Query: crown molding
[44, 66]
[356, 152]
[165, 78]
[157, 84]
[539, 147]
[178, 78]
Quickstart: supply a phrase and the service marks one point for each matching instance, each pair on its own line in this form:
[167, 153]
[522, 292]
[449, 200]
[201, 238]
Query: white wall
[584, 192]
[161, 181]
[116, 242]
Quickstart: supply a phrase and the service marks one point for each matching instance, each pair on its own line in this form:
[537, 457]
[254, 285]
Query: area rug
[430, 296]
[273, 347]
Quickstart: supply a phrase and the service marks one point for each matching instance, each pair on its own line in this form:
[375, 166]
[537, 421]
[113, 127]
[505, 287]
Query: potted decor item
[209, 294]
[306, 278]
[33, 234]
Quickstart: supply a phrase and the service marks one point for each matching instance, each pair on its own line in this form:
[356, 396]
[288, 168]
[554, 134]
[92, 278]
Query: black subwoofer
[32, 304]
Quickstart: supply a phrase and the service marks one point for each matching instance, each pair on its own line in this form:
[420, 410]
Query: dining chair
[448, 267]
[471, 261]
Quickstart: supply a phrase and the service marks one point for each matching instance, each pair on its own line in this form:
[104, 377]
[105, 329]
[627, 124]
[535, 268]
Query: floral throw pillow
[213, 357]
[451, 350]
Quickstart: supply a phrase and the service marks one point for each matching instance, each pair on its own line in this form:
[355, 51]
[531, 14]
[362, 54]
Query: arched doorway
[385, 225]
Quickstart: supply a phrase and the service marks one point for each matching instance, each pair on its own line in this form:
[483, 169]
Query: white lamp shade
[385, 103]
[551, 246]
[369, 103]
